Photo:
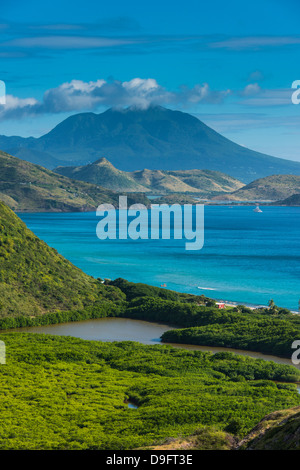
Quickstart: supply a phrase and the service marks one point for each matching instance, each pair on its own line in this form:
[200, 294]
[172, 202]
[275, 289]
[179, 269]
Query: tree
[211, 303]
[273, 309]
[271, 303]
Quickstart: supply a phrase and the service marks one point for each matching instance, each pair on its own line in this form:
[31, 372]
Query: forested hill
[35, 279]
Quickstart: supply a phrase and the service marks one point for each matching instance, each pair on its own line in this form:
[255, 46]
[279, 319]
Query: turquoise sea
[247, 257]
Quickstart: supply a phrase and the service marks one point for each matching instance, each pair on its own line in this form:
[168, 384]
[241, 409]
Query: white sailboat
[257, 209]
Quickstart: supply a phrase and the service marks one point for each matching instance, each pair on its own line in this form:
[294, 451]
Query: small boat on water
[257, 209]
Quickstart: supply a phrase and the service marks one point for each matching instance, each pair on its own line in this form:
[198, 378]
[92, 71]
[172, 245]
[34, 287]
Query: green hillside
[202, 182]
[35, 279]
[28, 187]
[271, 188]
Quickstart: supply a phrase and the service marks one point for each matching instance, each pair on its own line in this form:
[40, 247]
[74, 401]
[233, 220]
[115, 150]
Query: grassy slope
[28, 187]
[207, 438]
[35, 279]
[277, 431]
[207, 181]
[275, 187]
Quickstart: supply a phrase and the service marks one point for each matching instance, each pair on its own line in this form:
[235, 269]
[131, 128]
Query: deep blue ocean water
[247, 257]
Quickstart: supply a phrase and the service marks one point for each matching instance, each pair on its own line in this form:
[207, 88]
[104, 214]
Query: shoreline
[232, 303]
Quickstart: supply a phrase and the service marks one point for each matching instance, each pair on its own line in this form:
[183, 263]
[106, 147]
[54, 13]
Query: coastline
[232, 303]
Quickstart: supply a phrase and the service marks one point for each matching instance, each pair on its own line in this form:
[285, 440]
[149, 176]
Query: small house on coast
[220, 304]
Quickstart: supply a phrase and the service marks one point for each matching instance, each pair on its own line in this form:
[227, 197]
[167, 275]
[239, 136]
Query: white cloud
[12, 102]
[251, 89]
[17, 107]
[78, 95]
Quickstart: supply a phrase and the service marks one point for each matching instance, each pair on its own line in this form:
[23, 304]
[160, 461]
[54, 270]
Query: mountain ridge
[202, 182]
[25, 186]
[155, 138]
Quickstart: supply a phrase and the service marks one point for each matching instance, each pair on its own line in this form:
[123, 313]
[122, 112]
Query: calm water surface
[247, 257]
[105, 329]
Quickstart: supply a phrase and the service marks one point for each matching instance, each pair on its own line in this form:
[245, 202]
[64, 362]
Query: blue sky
[230, 64]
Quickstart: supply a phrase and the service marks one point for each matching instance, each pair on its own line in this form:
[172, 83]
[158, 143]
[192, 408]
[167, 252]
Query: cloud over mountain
[78, 95]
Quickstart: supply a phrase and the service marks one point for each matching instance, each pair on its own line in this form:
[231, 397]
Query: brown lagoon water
[124, 329]
[105, 329]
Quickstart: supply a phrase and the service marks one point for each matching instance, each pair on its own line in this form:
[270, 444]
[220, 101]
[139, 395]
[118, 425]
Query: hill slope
[155, 138]
[204, 182]
[35, 279]
[103, 173]
[277, 431]
[290, 201]
[28, 187]
[273, 188]
[208, 181]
